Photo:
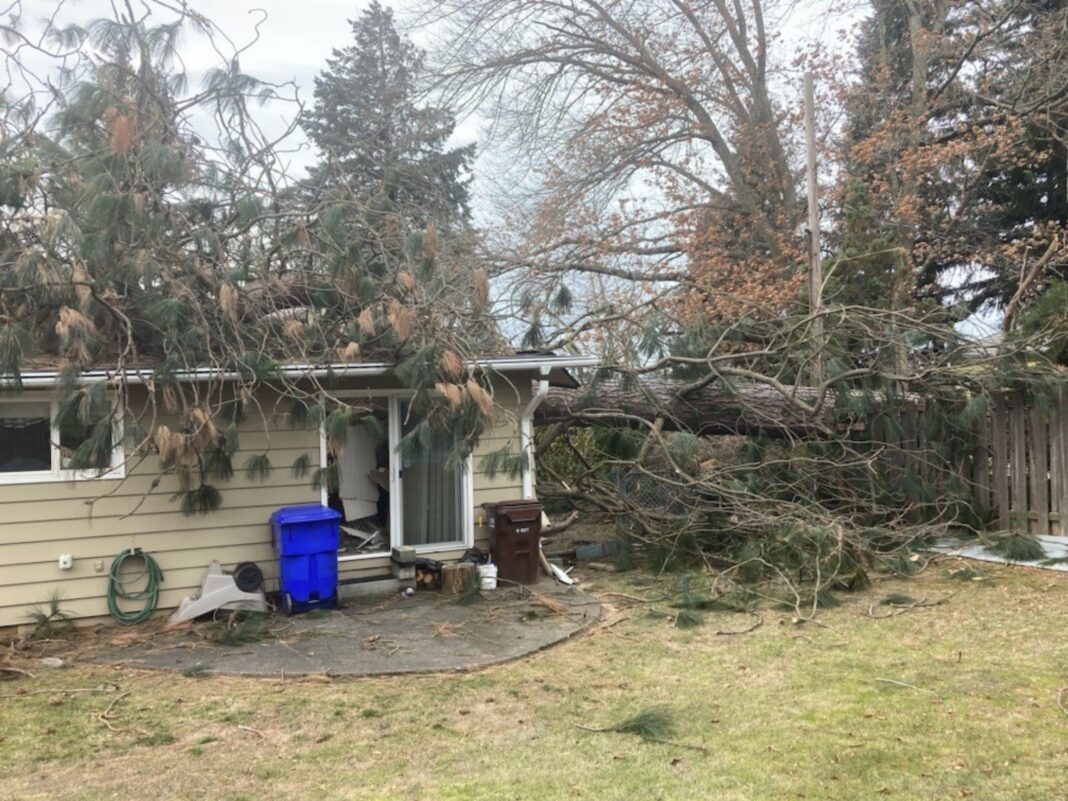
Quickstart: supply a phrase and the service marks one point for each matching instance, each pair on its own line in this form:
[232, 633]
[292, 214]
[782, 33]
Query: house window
[79, 448]
[25, 438]
[34, 447]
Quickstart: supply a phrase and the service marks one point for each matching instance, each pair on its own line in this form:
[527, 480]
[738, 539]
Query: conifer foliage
[375, 138]
[149, 225]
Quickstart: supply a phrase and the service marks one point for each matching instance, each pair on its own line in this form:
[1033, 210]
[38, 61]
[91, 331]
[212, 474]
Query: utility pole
[815, 269]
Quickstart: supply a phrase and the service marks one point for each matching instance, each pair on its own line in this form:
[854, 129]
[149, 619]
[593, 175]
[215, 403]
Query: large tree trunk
[751, 409]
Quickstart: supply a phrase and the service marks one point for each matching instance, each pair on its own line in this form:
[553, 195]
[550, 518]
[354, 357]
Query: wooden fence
[1019, 471]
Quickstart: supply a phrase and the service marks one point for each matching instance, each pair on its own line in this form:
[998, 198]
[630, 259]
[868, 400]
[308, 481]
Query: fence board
[1056, 469]
[1038, 474]
[981, 466]
[1060, 445]
[1018, 516]
[999, 422]
[1020, 465]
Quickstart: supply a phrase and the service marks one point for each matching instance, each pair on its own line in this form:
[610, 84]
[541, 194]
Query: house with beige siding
[60, 528]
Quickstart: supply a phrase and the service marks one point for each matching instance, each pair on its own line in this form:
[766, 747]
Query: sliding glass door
[359, 485]
[387, 499]
[431, 488]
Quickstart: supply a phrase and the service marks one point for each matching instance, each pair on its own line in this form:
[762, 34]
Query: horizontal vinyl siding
[511, 397]
[96, 519]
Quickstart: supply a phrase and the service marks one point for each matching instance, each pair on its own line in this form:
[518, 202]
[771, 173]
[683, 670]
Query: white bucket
[487, 577]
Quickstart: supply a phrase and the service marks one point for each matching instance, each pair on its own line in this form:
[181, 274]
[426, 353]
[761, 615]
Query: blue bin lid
[304, 513]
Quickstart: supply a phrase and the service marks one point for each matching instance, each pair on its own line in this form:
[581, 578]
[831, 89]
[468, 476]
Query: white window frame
[396, 502]
[117, 469]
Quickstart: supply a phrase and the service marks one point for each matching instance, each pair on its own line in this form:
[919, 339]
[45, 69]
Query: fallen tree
[705, 410]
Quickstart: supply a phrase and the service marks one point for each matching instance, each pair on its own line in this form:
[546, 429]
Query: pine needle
[470, 592]
[1019, 548]
[740, 599]
[688, 619]
[897, 599]
[966, 573]
[240, 628]
[49, 618]
[655, 724]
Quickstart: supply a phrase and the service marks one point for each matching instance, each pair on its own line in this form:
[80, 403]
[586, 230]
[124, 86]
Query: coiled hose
[118, 587]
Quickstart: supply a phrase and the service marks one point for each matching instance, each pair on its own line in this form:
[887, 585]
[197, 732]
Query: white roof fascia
[49, 378]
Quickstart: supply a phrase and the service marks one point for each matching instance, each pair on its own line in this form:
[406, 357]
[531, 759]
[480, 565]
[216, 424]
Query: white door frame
[396, 502]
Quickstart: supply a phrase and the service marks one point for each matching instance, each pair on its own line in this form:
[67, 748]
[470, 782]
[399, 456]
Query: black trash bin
[515, 531]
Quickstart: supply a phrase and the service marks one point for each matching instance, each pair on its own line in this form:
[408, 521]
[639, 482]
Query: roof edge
[503, 364]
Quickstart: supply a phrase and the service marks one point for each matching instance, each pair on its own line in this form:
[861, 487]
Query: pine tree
[954, 164]
[376, 141]
[129, 239]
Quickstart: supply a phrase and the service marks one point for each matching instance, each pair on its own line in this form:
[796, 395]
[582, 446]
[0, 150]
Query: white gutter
[49, 378]
[526, 432]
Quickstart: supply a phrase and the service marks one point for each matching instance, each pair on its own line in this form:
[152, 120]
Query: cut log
[457, 577]
[710, 410]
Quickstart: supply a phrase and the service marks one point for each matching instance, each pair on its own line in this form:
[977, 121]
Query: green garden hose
[150, 574]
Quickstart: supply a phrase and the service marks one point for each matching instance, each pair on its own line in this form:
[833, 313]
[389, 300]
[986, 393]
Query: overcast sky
[295, 39]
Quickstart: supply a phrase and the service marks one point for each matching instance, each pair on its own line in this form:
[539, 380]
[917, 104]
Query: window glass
[25, 437]
[431, 488]
[95, 444]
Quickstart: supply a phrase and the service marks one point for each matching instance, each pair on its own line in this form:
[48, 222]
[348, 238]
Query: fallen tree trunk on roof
[709, 410]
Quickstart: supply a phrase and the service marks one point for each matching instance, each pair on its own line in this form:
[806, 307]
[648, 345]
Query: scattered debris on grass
[251, 730]
[897, 683]
[898, 599]
[730, 632]
[739, 599]
[239, 628]
[107, 687]
[9, 673]
[966, 573]
[553, 606]
[49, 619]
[107, 715]
[655, 724]
[692, 597]
[688, 619]
[1018, 548]
[900, 603]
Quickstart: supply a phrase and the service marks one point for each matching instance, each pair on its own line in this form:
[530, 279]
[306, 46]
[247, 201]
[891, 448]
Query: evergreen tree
[375, 140]
[131, 240]
[954, 164]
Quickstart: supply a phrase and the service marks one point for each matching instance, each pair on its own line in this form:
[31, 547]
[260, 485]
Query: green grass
[950, 701]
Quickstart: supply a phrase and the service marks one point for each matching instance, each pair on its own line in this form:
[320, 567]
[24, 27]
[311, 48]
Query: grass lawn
[951, 701]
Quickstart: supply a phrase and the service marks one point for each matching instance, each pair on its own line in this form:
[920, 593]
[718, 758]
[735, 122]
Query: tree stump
[457, 577]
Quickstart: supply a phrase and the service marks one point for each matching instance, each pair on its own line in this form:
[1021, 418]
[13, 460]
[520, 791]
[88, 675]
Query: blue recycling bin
[306, 539]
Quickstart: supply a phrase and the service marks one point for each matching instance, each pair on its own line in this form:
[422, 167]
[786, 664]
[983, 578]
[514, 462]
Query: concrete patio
[373, 636]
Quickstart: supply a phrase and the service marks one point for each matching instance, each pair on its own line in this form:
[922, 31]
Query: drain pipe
[526, 432]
